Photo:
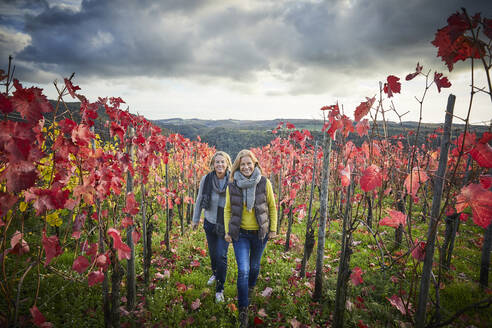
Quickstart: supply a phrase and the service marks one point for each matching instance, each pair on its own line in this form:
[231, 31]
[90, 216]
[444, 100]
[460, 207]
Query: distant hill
[233, 135]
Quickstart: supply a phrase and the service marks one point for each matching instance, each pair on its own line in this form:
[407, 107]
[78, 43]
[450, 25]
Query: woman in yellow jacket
[250, 218]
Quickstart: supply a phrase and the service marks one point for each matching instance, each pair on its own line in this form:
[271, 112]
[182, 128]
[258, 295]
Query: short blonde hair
[223, 154]
[237, 162]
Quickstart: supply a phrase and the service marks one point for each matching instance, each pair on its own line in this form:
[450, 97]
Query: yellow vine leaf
[54, 220]
[22, 206]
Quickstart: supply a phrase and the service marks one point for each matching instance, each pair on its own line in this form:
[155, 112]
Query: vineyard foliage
[66, 189]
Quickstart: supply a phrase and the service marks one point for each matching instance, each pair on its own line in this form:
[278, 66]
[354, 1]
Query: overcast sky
[239, 59]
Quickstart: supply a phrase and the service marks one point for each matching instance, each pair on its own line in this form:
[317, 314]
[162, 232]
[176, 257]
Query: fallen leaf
[196, 304]
[267, 292]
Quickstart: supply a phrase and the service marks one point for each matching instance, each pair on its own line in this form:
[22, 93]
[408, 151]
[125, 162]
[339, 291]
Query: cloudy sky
[240, 59]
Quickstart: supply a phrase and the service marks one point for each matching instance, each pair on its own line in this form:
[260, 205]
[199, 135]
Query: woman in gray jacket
[211, 198]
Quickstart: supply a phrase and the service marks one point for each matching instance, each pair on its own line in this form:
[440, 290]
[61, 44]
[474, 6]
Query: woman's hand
[194, 225]
[228, 238]
[272, 235]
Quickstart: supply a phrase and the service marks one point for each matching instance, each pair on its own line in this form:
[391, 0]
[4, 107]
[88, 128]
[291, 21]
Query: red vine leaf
[80, 264]
[418, 70]
[417, 177]
[418, 252]
[95, 277]
[396, 301]
[71, 88]
[30, 103]
[124, 252]
[363, 108]
[482, 153]
[453, 44]
[441, 82]
[480, 202]
[51, 247]
[362, 127]
[371, 178]
[38, 318]
[131, 204]
[356, 276]
[486, 181]
[18, 245]
[394, 219]
[392, 85]
[5, 104]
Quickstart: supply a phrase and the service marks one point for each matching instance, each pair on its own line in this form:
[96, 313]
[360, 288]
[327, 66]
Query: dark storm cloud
[229, 39]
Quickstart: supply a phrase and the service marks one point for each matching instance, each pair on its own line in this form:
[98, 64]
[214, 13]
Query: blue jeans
[217, 249]
[248, 250]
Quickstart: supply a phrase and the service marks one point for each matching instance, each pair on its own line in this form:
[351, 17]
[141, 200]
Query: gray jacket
[215, 201]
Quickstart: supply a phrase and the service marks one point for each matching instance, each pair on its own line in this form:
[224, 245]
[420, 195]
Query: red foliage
[417, 177]
[362, 127]
[486, 181]
[81, 135]
[392, 85]
[418, 252]
[345, 176]
[441, 82]
[482, 153]
[80, 264]
[124, 252]
[363, 108]
[418, 70]
[38, 318]
[18, 245]
[6, 202]
[47, 199]
[95, 277]
[51, 247]
[30, 103]
[396, 301]
[5, 104]
[67, 125]
[290, 125]
[452, 42]
[394, 219]
[117, 130]
[356, 276]
[480, 201]
[71, 88]
[371, 178]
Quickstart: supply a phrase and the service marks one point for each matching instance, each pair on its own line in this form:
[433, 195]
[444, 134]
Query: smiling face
[246, 166]
[220, 166]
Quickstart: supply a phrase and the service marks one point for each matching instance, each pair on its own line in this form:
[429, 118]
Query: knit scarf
[216, 185]
[248, 186]
[212, 182]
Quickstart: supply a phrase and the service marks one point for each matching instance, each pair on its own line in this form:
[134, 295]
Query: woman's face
[246, 166]
[220, 165]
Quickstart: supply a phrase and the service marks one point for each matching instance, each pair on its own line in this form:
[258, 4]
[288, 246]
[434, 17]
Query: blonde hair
[237, 162]
[223, 154]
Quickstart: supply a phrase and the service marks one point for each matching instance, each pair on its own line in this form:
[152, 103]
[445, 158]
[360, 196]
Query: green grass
[67, 301]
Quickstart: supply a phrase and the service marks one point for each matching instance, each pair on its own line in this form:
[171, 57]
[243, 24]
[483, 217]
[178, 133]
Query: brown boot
[243, 317]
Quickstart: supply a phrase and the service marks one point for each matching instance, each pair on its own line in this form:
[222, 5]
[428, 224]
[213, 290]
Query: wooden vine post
[130, 265]
[344, 267]
[291, 214]
[320, 254]
[434, 216]
[309, 238]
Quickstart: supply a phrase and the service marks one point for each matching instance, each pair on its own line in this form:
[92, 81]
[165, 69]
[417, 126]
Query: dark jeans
[248, 250]
[217, 249]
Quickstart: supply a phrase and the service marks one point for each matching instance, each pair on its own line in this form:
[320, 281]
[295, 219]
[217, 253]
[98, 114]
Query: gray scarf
[248, 186]
[216, 185]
